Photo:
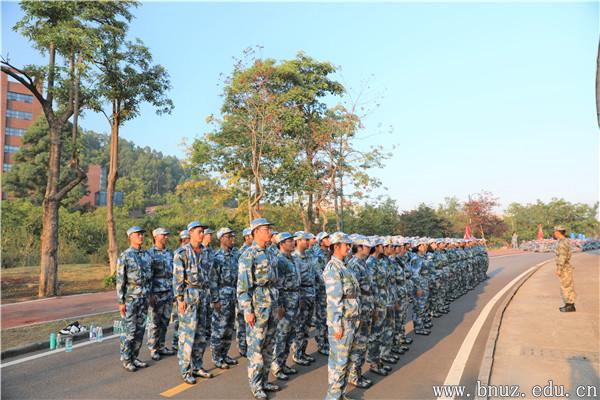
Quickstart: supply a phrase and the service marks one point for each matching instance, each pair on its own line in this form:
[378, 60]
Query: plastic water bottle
[92, 332]
[99, 334]
[69, 344]
[59, 339]
[52, 341]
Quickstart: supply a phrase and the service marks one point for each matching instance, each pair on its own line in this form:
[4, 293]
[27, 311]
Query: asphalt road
[93, 371]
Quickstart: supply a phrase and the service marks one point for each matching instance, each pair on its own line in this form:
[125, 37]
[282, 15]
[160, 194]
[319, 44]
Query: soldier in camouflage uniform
[307, 299]
[162, 294]
[184, 238]
[258, 297]
[387, 341]
[378, 274]
[223, 284]
[134, 284]
[190, 270]
[564, 270]
[289, 299]
[208, 307]
[240, 323]
[358, 265]
[343, 315]
[321, 256]
[420, 273]
[400, 339]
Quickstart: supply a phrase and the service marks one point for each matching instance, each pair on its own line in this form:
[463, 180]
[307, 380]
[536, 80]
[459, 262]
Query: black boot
[568, 307]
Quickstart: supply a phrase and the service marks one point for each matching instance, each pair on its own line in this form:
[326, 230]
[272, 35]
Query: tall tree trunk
[110, 188]
[49, 241]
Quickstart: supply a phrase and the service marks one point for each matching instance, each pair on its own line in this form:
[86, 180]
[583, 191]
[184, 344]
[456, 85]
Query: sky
[471, 96]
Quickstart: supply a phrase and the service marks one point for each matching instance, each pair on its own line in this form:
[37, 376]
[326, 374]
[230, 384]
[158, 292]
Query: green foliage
[21, 227]
[110, 281]
[576, 217]
[374, 219]
[423, 221]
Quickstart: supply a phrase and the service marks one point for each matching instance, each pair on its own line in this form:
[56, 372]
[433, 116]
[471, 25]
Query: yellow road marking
[185, 386]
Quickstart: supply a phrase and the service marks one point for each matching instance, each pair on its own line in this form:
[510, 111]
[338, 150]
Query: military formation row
[357, 291]
[549, 245]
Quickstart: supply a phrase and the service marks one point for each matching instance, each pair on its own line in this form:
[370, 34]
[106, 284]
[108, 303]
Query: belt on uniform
[351, 297]
[365, 292]
[195, 286]
[290, 290]
[307, 286]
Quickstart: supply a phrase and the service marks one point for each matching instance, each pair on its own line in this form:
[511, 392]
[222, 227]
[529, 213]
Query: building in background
[19, 110]
[96, 181]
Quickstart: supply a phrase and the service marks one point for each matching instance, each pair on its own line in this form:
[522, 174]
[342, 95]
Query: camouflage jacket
[342, 290]
[190, 270]
[418, 267]
[365, 282]
[257, 279]
[563, 254]
[162, 269]
[378, 274]
[320, 259]
[134, 275]
[223, 274]
[305, 265]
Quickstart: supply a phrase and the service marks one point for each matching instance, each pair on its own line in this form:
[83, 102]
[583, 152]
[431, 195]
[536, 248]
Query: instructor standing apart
[564, 270]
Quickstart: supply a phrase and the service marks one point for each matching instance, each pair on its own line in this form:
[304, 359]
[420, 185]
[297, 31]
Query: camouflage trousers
[303, 326]
[175, 320]
[420, 307]
[387, 337]
[192, 332]
[567, 289]
[338, 364]
[400, 321]
[222, 325]
[321, 320]
[374, 346]
[159, 321]
[240, 330]
[135, 326]
[260, 345]
[208, 310]
[436, 293]
[358, 352]
[285, 329]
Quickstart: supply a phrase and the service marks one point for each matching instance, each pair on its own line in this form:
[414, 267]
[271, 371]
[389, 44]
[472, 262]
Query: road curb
[30, 348]
[487, 362]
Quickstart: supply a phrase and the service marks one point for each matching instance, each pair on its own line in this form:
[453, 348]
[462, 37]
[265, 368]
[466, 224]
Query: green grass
[20, 336]
[20, 284]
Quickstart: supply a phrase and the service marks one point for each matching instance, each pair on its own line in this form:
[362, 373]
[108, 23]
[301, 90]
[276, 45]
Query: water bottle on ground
[52, 341]
[99, 334]
[92, 332]
[69, 344]
[59, 340]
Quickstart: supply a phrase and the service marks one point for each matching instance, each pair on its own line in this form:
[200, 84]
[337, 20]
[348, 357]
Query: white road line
[458, 366]
[66, 318]
[48, 298]
[49, 353]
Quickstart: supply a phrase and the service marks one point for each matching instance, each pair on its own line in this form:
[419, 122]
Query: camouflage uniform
[402, 314]
[307, 301]
[223, 283]
[343, 313]
[358, 352]
[162, 289]
[565, 270]
[208, 309]
[190, 271]
[240, 322]
[257, 293]
[320, 258]
[419, 272]
[387, 338]
[289, 298]
[378, 274]
[134, 283]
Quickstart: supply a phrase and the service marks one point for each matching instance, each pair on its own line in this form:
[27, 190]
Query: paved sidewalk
[53, 308]
[537, 343]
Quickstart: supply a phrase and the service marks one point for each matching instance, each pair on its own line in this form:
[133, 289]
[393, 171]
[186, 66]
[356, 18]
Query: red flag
[467, 232]
[540, 234]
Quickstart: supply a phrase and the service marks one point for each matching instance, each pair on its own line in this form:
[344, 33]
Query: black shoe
[423, 332]
[281, 376]
[301, 361]
[202, 373]
[387, 368]
[568, 307]
[260, 395]
[364, 378]
[155, 356]
[309, 358]
[167, 352]
[398, 350]
[407, 340]
[221, 365]
[389, 359]
[230, 360]
[243, 354]
[376, 369]
[289, 370]
[129, 366]
[436, 315]
[404, 348]
[140, 364]
[358, 383]
[271, 387]
[428, 325]
[190, 380]
[325, 352]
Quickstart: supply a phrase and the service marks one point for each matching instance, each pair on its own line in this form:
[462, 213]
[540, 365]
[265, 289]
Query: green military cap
[135, 229]
[258, 222]
[339, 237]
[160, 231]
[282, 236]
[223, 231]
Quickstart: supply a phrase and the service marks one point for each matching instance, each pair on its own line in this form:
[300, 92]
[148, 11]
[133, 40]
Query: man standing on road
[223, 281]
[162, 294]
[240, 330]
[564, 270]
[190, 270]
[134, 284]
[259, 299]
[515, 240]
[184, 238]
[320, 258]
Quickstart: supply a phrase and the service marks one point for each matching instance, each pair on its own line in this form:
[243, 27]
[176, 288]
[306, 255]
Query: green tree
[375, 219]
[68, 33]
[423, 221]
